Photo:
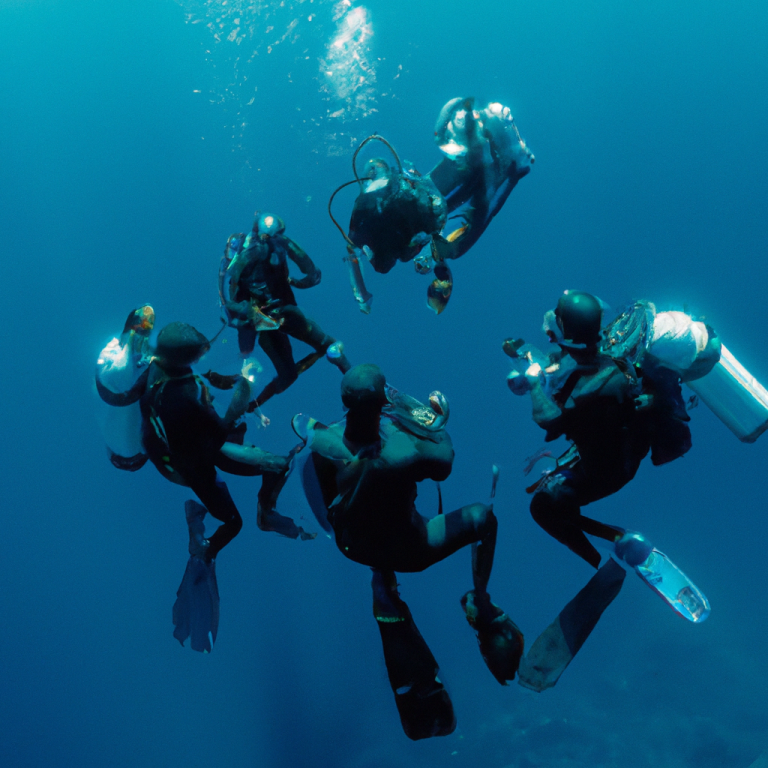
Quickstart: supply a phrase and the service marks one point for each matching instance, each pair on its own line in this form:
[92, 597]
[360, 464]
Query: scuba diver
[187, 441]
[399, 212]
[360, 476]
[614, 405]
[256, 294]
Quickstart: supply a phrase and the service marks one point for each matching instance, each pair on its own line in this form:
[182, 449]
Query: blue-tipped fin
[196, 610]
[662, 576]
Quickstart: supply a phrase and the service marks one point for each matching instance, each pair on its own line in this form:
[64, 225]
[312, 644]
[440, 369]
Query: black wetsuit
[371, 498]
[264, 280]
[185, 437]
[595, 409]
[389, 217]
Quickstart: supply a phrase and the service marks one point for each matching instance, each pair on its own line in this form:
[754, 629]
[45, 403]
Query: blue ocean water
[125, 164]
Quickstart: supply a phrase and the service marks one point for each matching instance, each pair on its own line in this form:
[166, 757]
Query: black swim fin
[554, 649]
[423, 703]
[196, 610]
[501, 641]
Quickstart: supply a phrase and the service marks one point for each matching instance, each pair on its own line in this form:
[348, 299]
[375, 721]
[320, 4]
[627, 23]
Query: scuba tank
[119, 365]
[735, 396]
[691, 349]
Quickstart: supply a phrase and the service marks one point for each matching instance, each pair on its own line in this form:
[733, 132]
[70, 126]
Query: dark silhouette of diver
[613, 415]
[256, 292]
[367, 468]
[398, 211]
[187, 441]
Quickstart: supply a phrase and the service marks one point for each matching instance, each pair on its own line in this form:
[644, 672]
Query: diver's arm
[239, 403]
[123, 399]
[545, 412]
[300, 258]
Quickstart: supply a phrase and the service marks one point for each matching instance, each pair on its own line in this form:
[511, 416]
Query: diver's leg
[423, 703]
[474, 524]
[500, 640]
[249, 461]
[246, 339]
[277, 347]
[214, 495]
[305, 329]
[268, 518]
[556, 507]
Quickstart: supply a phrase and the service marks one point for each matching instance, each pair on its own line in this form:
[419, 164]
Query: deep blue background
[120, 185]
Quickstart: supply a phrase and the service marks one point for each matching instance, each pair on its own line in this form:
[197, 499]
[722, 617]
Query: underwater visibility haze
[137, 136]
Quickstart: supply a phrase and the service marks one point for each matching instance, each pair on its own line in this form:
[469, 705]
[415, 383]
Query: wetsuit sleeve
[239, 403]
[123, 399]
[300, 258]
[546, 413]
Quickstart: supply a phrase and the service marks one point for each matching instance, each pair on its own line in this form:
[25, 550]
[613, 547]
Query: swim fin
[554, 649]
[196, 610]
[662, 576]
[501, 641]
[423, 703]
[440, 289]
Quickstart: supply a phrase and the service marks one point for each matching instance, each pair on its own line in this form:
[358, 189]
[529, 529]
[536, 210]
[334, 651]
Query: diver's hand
[512, 346]
[534, 375]
[643, 402]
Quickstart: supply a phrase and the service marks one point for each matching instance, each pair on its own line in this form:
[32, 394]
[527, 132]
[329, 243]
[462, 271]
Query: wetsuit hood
[179, 345]
[576, 322]
[364, 385]
[267, 225]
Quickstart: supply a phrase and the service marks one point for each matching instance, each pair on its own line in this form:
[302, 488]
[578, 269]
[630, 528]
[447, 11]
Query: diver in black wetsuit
[188, 441]
[368, 467]
[595, 407]
[613, 412]
[399, 212]
[256, 291]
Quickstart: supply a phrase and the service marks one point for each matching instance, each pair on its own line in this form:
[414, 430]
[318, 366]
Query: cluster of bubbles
[242, 32]
[350, 75]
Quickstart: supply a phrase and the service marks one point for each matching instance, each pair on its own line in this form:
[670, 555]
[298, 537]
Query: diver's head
[364, 388]
[267, 225]
[179, 345]
[578, 318]
[140, 321]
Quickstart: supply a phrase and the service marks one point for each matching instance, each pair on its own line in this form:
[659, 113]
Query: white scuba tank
[678, 342]
[736, 397]
[118, 367]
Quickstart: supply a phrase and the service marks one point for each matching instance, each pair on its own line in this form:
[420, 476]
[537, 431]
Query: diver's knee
[483, 519]
[541, 508]
[285, 379]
